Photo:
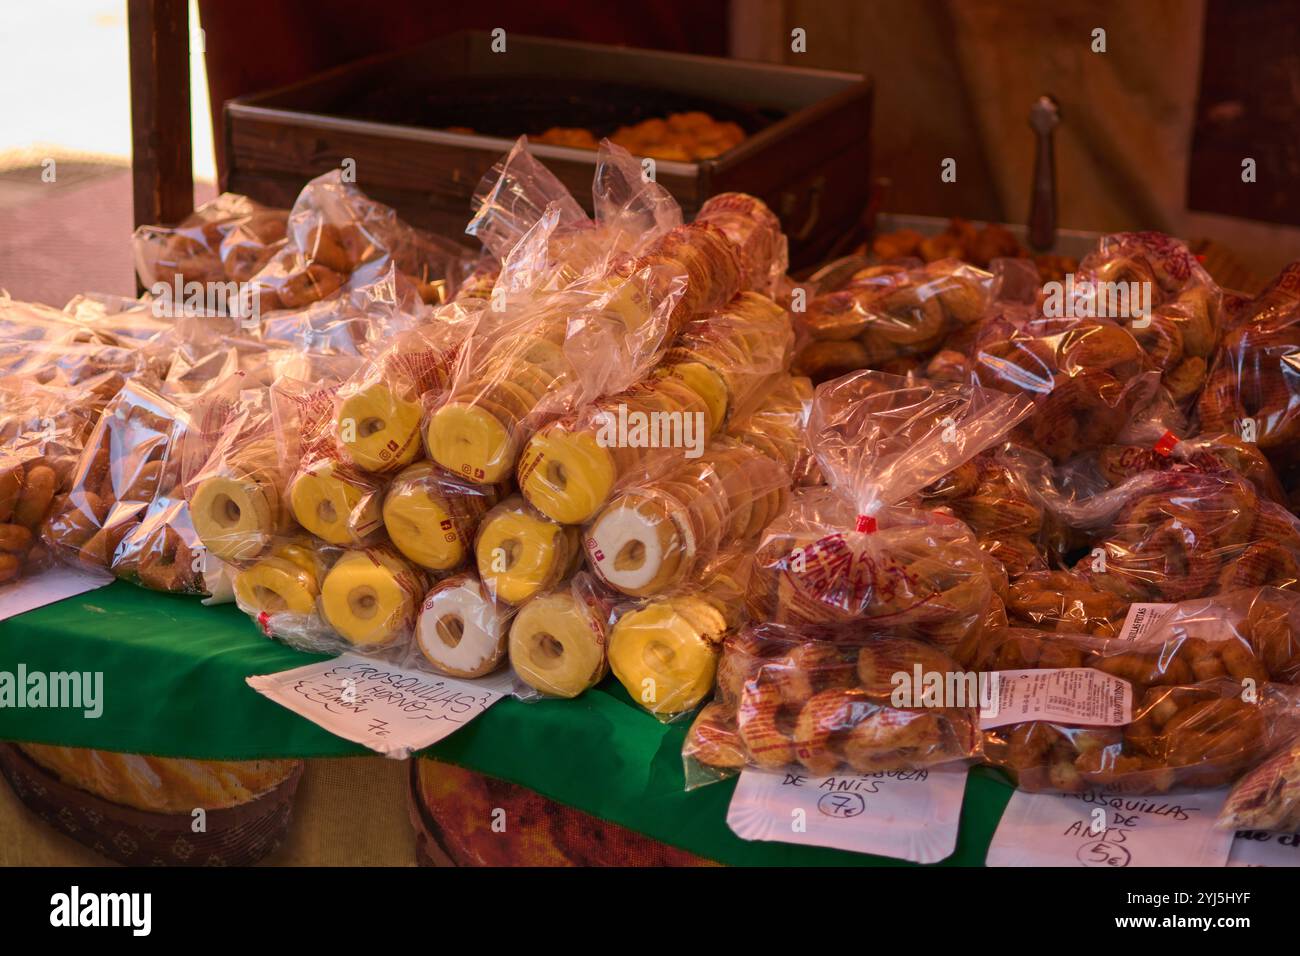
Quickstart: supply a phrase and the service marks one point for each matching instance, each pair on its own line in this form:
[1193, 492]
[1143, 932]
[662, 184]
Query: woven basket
[236, 836]
[451, 807]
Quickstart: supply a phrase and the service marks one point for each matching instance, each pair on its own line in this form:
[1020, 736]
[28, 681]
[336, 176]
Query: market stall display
[611, 453]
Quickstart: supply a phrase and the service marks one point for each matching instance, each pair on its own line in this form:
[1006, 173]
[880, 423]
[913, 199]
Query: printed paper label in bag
[1111, 831]
[1081, 696]
[1141, 619]
[386, 708]
[908, 814]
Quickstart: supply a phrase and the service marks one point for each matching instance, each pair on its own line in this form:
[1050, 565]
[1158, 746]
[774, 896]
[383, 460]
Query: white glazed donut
[636, 546]
[461, 631]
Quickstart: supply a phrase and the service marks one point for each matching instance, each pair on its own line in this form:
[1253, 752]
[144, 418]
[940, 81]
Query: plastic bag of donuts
[519, 552]
[558, 641]
[570, 467]
[847, 556]
[664, 650]
[328, 600]
[890, 317]
[336, 236]
[460, 631]
[1252, 391]
[1267, 797]
[229, 237]
[1181, 736]
[756, 233]
[380, 409]
[1186, 534]
[516, 372]
[1083, 487]
[358, 322]
[327, 496]
[129, 471]
[1089, 378]
[787, 702]
[655, 535]
[989, 494]
[775, 426]
[1181, 325]
[234, 480]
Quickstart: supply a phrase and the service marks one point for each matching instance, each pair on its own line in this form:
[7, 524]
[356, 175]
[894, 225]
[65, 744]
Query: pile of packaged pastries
[624, 443]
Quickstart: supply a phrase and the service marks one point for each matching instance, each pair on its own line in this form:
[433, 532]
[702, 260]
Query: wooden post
[161, 161]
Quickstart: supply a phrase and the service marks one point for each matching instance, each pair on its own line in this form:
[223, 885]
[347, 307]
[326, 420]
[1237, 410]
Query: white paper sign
[52, 584]
[1261, 848]
[1109, 830]
[909, 814]
[1081, 696]
[1142, 618]
[386, 708]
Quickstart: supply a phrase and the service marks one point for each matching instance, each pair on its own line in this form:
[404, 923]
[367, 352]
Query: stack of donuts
[436, 502]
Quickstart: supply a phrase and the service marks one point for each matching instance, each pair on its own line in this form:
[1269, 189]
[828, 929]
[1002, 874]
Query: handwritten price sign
[1111, 832]
[388, 709]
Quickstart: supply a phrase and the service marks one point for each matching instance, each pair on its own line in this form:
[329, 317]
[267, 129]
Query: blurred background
[1154, 128]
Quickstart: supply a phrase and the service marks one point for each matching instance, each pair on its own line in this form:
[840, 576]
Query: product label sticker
[1082, 696]
[1111, 830]
[1141, 619]
[906, 814]
[1262, 848]
[52, 584]
[388, 709]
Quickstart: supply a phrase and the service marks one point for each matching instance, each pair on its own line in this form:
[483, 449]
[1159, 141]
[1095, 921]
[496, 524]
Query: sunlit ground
[65, 87]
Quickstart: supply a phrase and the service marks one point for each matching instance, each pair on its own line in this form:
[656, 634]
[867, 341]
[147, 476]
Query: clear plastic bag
[1089, 378]
[229, 237]
[380, 410]
[654, 535]
[1184, 737]
[337, 237]
[460, 631]
[432, 516]
[558, 640]
[787, 702]
[890, 317]
[1252, 391]
[664, 650]
[521, 553]
[1186, 534]
[845, 556]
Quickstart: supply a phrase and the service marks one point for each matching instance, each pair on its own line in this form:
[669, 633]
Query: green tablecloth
[174, 686]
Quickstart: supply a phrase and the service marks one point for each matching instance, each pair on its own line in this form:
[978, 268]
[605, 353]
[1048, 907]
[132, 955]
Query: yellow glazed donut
[520, 552]
[636, 547]
[234, 517]
[334, 510]
[557, 645]
[707, 384]
[379, 428]
[471, 441]
[429, 527]
[274, 585]
[566, 475]
[658, 654]
[369, 597]
[460, 631]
